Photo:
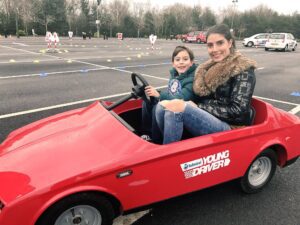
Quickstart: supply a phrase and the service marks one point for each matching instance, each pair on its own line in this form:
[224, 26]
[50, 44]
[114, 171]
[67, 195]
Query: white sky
[281, 6]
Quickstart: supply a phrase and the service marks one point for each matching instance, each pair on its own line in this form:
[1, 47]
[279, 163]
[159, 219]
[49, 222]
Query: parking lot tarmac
[36, 83]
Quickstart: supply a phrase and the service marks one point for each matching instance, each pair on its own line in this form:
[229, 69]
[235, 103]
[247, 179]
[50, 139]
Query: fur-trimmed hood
[210, 75]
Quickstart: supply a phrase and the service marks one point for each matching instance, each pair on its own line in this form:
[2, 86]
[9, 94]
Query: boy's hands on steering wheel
[151, 91]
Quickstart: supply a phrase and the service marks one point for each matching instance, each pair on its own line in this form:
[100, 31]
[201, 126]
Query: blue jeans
[193, 119]
[149, 124]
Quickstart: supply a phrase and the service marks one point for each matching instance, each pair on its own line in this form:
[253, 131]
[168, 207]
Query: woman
[224, 84]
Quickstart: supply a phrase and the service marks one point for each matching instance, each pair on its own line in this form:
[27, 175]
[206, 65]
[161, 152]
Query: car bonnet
[76, 146]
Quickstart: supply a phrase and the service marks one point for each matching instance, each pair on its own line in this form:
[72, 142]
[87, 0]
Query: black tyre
[83, 208]
[250, 44]
[260, 172]
[266, 49]
[286, 48]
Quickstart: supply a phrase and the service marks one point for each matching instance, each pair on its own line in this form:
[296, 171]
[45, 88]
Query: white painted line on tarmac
[65, 104]
[130, 218]
[274, 100]
[22, 50]
[21, 44]
[295, 110]
[50, 73]
[30, 61]
[98, 69]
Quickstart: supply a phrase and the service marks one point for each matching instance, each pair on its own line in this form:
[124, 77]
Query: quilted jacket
[225, 88]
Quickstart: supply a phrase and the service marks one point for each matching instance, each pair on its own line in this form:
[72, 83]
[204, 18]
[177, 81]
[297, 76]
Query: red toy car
[89, 165]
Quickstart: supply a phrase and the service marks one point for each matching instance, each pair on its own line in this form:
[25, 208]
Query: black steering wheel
[138, 91]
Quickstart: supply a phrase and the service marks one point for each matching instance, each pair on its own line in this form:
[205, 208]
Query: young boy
[180, 87]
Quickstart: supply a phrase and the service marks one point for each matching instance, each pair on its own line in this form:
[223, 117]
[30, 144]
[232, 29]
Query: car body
[256, 40]
[281, 41]
[195, 36]
[93, 158]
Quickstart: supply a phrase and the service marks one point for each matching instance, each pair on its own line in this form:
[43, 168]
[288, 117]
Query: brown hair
[180, 49]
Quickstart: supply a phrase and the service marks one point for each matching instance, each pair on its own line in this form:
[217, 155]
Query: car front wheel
[266, 49]
[250, 44]
[80, 209]
[260, 172]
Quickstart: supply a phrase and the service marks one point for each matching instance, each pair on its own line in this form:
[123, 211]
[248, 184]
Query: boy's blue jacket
[180, 85]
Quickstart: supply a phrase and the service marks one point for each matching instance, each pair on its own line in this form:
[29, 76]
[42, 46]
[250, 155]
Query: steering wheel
[139, 89]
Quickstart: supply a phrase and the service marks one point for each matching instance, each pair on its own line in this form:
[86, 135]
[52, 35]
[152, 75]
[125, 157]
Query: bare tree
[118, 10]
[139, 10]
[73, 11]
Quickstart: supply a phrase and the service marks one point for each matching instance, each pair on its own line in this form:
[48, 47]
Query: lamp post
[98, 21]
[234, 4]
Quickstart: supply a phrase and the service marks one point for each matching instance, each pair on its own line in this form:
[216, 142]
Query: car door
[261, 40]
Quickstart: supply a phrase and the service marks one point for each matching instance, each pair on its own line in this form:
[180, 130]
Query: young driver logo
[174, 87]
[206, 164]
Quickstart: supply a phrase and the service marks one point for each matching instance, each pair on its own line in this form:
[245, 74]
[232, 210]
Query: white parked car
[281, 41]
[256, 40]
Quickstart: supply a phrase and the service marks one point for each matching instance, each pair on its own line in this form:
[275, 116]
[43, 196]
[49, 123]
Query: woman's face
[218, 47]
[182, 62]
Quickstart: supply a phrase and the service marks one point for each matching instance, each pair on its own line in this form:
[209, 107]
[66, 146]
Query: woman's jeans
[149, 124]
[193, 119]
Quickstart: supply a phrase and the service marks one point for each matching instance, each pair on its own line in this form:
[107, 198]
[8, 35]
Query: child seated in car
[180, 86]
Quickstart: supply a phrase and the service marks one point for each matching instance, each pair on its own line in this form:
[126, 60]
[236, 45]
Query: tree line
[135, 19]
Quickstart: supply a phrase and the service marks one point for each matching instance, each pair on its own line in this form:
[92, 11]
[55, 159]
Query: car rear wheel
[79, 209]
[266, 49]
[250, 44]
[286, 48]
[260, 172]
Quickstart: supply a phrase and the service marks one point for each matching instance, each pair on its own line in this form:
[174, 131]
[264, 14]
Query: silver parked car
[281, 41]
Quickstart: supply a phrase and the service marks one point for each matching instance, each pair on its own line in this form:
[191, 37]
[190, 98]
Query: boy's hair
[180, 49]
[224, 30]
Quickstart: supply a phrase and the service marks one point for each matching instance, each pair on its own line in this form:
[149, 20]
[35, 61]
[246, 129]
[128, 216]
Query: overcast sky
[281, 6]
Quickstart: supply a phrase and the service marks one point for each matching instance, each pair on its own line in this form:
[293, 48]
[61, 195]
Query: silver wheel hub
[80, 215]
[260, 171]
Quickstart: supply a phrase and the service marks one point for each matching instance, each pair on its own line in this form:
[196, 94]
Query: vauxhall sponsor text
[206, 164]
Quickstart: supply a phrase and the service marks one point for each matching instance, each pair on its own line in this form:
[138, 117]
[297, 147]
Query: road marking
[20, 49]
[50, 73]
[65, 104]
[97, 69]
[274, 100]
[295, 110]
[16, 43]
[130, 218]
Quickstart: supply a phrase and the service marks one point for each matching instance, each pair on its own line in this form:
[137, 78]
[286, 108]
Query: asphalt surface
[35, 84]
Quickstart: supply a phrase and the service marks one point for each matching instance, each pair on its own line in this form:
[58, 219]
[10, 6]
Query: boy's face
[182, 62]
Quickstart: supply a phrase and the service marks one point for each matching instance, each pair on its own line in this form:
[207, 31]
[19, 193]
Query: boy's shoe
[146, 137]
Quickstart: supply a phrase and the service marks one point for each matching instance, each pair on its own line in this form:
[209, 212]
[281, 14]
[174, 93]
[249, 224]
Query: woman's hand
[175, 105]
[151, 91]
